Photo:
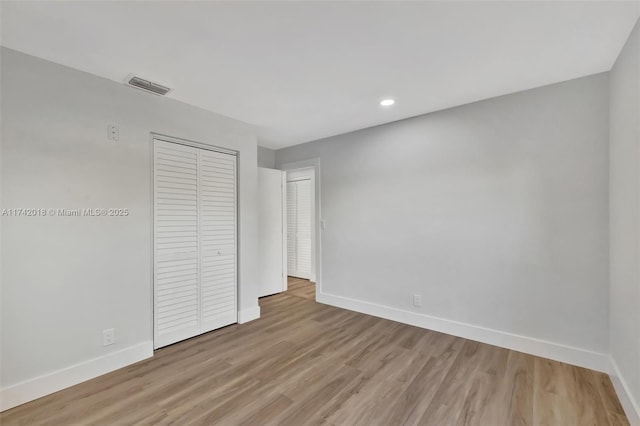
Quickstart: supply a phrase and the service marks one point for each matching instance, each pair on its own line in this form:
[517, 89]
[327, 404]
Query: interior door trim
[193, 144]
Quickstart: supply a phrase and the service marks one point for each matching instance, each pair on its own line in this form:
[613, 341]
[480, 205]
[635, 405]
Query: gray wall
[266, 157]
[495, 212]
[64, 280]
[624, 193]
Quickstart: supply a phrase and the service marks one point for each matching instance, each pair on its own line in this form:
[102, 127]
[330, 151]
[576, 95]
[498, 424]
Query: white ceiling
[301, 71]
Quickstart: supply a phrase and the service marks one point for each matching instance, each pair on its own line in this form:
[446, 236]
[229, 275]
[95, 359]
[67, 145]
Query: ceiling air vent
[148, 86]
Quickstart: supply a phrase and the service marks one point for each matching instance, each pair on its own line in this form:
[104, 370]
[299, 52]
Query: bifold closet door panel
[291, 229]
[218, 216]
[299, 228]
[303, 228]
[176, 257]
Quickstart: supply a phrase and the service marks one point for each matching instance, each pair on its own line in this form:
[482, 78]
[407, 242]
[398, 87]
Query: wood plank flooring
[301, 288]
[303, 363]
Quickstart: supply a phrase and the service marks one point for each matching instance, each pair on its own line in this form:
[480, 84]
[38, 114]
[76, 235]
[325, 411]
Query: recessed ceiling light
[387, 102]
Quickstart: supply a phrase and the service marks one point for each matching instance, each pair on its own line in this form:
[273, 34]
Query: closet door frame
[193, 144]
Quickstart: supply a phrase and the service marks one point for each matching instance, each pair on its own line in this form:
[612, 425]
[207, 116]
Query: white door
[218, 263]
[291, 228]
[194, 241]
[176, 286]
[299, 228]
[271, 218]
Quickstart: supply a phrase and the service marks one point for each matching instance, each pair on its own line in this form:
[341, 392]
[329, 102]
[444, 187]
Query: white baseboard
[630, 405]
[570, 355]
[247, 315]
[38, 387]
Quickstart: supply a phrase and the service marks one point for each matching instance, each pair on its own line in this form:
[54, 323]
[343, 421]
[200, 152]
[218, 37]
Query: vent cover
[148, 86]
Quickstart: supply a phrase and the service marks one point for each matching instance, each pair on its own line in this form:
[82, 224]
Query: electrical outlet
[113, 134]
[108, 337]
[417, 300]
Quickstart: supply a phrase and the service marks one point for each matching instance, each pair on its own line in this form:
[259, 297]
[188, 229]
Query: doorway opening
[301, 222]
[289, 223]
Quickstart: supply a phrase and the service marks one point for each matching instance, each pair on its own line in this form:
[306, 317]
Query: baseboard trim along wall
[570, 355]
[38, 387]
[630, 405]
[247, 315]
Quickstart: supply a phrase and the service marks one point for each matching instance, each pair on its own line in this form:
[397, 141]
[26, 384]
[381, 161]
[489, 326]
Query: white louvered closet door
[218, 243]
[176, 287]
[194, 241]
[291, 229]
[299, 228]
[303, 228]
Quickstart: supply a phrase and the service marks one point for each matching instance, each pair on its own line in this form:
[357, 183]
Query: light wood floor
[301, 288]
[303, 363]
